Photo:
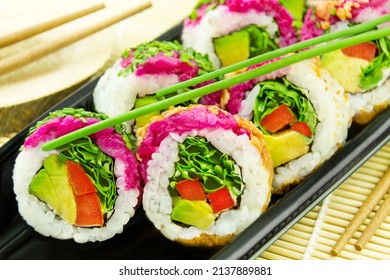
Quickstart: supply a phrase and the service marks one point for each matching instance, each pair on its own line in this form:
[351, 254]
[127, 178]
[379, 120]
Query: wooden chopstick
[363, 27]
[378, 218]
[372, 200]
[47, 25]
[199, 92]
[20, 59]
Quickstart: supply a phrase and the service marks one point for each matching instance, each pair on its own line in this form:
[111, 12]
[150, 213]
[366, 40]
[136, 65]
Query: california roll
[86, 190]
[364, 69]
[207, 174]
[303, 113]
[230, 31]
[133, 80]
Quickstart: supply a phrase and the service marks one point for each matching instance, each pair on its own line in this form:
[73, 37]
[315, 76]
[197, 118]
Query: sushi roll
[86, 190]
[364, 69]
[133, 80]
[234, 30]
[208, 174]
[303, 113]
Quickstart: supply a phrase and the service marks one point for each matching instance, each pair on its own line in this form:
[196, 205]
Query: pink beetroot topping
[112, 144]
[273, 8]
[311, 26]
[54, 128]
[211, 99]
[324, 14]
[162, 64]
[200, 12]
[198, 118]
[381, 7]
[237, 92]
[164, 58]
[107, 140]
[236, 95]
[270, 76]
[126, 61]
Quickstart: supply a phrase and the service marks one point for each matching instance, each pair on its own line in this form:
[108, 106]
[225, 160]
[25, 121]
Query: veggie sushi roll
[234, 30]
[133, 80]
[364, 69]
[208, 174]
[303, 113]
[86, 190]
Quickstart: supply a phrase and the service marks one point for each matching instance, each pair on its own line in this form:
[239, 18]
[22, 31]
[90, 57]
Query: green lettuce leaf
[260, 40]
[79, 113]
[200, 159]
[281, 91]
[97, 165]
[142, 52]
[373, 73]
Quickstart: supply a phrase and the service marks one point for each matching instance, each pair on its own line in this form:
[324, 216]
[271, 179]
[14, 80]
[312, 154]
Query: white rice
[369, 14]
[38, 215]
[334, 118]
[157, 201]
[220, 22]
[115, 95]
[367, 101]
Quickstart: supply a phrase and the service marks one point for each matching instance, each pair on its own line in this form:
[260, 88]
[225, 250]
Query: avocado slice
[42, 187]
[296, 8]
[52, 187]
[286, 145]
[143, 101]
[233, 48]
[345, 69]
[196, 213]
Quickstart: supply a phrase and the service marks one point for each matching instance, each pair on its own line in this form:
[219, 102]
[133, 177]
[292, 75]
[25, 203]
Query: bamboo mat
[316, 233]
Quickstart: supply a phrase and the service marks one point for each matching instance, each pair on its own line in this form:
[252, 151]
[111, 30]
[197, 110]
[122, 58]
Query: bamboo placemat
[316, 233]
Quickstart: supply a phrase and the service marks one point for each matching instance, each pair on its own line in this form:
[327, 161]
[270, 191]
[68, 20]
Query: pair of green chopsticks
[357, 34]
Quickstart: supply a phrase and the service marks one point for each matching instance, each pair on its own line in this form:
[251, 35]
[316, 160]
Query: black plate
[140, 240]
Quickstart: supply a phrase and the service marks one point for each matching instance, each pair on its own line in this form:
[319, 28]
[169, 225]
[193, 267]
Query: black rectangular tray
[140, 240]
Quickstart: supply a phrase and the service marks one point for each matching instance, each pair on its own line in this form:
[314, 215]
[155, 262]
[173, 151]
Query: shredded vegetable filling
[272, 94]
[206, 182]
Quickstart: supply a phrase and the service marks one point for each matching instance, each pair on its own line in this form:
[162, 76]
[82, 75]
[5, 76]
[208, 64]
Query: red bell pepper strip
[191, 190]
[278, 119]
[88, 207]
[302, 128]
[89, 211]
[79, 180]
[221, 200]
[366, 51]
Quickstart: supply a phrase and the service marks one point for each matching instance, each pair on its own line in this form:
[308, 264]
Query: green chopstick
[199, 92]
[359, 28]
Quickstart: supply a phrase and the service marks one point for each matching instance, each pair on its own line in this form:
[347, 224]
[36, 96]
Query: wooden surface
[28, 92]
[34, 53]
